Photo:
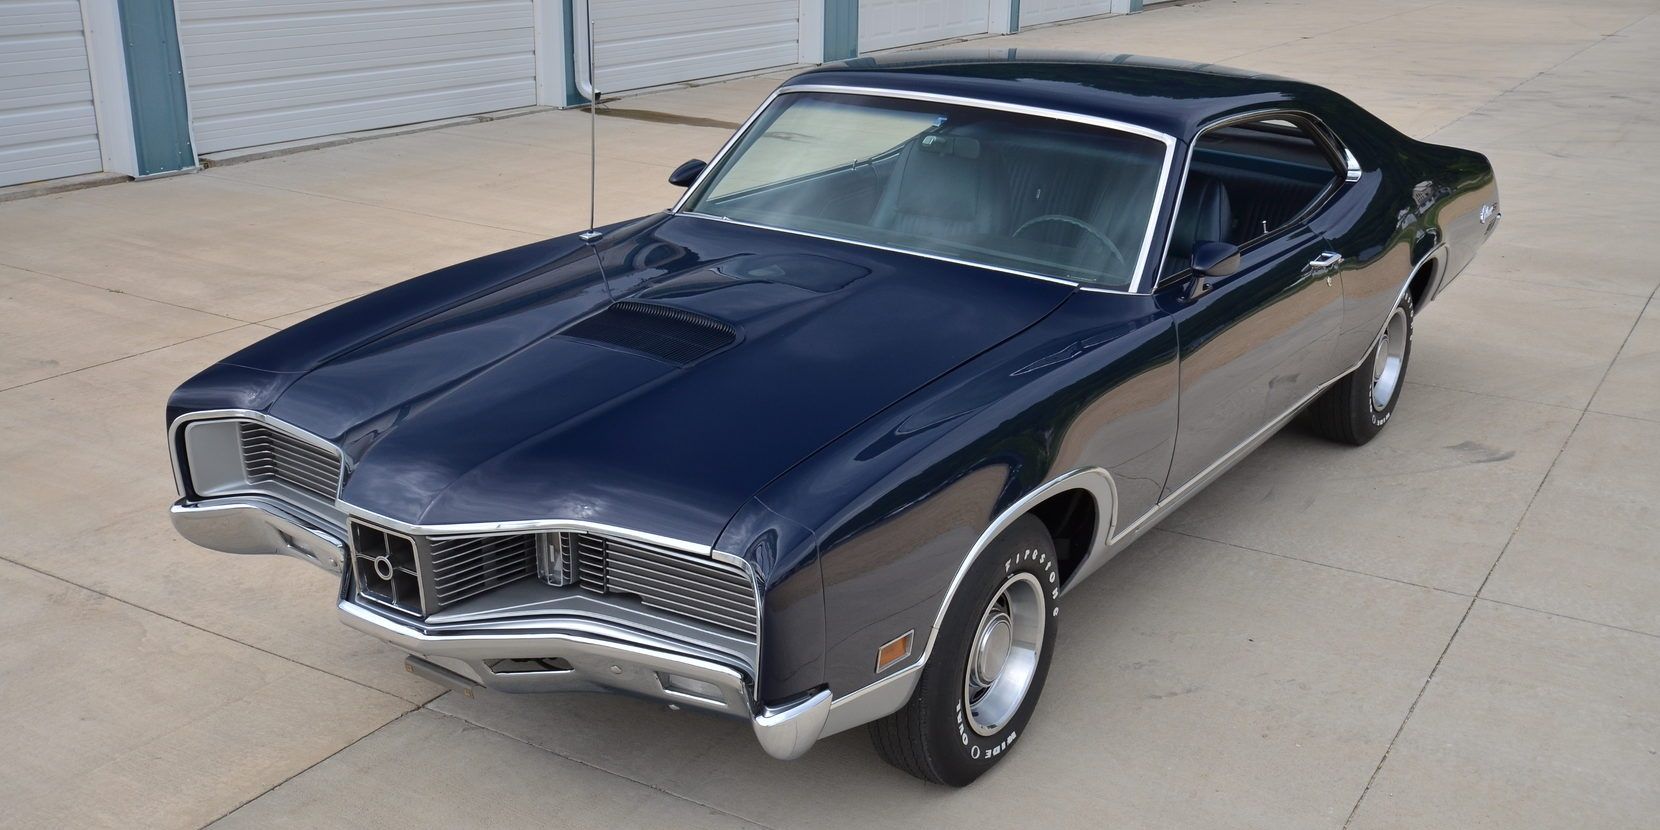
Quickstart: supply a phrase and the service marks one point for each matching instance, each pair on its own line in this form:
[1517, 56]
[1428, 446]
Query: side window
[1247, 181]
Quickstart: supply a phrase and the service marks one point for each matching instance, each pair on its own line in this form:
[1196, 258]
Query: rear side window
[1248, 181]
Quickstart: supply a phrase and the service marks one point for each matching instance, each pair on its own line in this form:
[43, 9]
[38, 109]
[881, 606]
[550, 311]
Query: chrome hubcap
[1388, 360]
[1005, 654]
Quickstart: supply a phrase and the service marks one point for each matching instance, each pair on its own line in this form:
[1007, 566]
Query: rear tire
[1355, 409]
[983, 679]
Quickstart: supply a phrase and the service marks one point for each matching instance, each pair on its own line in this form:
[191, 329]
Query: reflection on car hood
[489, 412]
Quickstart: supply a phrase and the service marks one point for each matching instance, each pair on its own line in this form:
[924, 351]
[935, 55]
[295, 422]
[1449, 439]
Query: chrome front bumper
[580, 654]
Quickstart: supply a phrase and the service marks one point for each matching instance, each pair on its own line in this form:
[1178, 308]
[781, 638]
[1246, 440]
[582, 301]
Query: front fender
[900, 504]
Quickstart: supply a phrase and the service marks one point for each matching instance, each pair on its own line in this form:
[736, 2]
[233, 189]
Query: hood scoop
[668, 334]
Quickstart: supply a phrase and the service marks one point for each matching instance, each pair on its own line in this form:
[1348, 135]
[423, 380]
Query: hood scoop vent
[668, 334]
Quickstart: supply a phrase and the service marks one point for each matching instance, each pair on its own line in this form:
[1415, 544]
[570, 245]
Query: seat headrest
[940, 176]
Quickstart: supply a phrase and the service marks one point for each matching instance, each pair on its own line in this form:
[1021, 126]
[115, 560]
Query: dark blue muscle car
[929, 341]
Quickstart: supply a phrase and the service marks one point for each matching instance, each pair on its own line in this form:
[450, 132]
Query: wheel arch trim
[887, 695]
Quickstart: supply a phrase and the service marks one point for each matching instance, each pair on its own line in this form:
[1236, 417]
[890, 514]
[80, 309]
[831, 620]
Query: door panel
[1252, 347]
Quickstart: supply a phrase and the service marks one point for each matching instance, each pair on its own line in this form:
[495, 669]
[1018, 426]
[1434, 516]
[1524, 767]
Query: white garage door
[47, 126]
[1033, 12]
[279, 70]
[641, 43]
[884, 24]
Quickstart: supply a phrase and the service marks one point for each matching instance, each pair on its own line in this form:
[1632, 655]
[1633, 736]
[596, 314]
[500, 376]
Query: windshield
[1028, 193]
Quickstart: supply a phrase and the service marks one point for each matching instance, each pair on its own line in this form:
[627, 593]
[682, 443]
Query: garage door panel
[302, 64]
[1033, 12]
[291, 69]
[297, 93]
[655, 42]
[237, 35]
[47, 125]
[351, 116]
[886, 24]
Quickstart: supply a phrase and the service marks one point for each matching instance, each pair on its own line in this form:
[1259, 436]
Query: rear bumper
[541, 654]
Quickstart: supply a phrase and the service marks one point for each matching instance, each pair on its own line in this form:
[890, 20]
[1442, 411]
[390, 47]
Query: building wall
[120, 90]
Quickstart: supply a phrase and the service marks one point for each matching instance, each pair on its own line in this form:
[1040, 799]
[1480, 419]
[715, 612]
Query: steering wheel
[1112, 247]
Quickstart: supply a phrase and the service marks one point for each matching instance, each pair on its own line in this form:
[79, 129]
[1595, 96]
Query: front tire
[983, 679]
[1355, 409]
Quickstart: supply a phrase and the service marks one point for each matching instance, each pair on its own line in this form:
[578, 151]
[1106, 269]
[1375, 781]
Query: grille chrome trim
[710, 591]
[467, 566]
[271, 456]
[386, 569]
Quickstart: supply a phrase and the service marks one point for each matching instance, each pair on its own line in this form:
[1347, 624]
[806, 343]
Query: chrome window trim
[1323, 136]
[175, 432]
[1137, 274]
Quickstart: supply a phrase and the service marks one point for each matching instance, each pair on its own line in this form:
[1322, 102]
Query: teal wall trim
[155, 83]
[1014, 16]
[572, 97]
[841, 29]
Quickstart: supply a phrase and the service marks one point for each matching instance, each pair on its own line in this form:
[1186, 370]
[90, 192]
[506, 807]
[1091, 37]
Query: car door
[1256, 343]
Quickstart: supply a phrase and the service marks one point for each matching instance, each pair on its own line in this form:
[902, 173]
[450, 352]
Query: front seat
[1206, 215]
[944, 187]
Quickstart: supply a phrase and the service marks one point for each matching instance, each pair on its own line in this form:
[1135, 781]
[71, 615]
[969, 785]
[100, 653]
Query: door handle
[1325, 264]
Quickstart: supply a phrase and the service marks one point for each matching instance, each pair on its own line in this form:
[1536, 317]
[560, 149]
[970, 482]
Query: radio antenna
[592, 235]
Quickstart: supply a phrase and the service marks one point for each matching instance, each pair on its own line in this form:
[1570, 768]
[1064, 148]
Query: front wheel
[1355, 409]
[983, 679]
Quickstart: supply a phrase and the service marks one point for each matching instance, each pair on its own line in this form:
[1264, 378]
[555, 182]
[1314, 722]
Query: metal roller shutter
[47, 125]
[280, 70]
[1033, 12]
[885, 24]
[653, 42]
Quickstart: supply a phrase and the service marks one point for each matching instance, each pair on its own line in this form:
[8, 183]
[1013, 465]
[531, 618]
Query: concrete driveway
[1455, 626]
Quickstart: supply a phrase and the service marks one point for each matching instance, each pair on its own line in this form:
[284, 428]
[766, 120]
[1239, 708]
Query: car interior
[1045, 196]
[1245, 182]
[1050, 197]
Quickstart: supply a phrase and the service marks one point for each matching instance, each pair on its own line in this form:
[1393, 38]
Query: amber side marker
[897, 649]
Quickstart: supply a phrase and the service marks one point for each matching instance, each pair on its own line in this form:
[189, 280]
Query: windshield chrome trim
[1137, 274]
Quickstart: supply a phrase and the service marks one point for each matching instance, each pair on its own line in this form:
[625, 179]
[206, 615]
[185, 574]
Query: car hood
[492, 411]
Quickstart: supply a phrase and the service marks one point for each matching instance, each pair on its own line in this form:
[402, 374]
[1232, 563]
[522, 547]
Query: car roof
[1169, 96]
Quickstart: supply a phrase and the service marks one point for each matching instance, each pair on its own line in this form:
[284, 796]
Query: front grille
[463, 567]
[420, 575]
[270, 456]
[691, 586]
[386, 567]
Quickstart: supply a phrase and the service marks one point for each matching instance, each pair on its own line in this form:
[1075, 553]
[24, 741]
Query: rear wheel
[1355, 409]
[983, 679]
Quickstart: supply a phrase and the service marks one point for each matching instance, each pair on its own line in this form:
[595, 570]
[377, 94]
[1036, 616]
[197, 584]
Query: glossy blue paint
[879, 410]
